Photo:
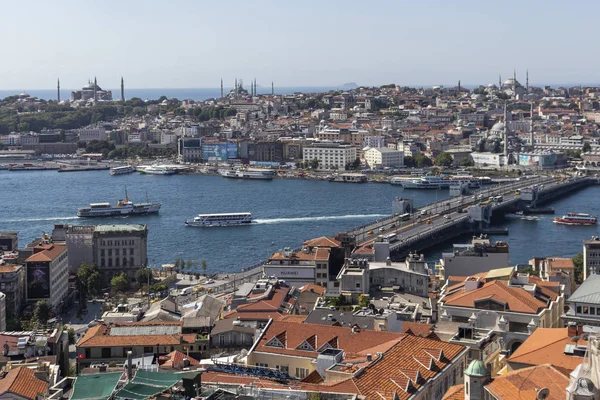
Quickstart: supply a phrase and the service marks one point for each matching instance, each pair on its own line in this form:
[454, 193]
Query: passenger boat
[156, 170]
[242, 173]
[425, 182]
[226, 219]
[122, 208]
[576, 219]
[125, 169]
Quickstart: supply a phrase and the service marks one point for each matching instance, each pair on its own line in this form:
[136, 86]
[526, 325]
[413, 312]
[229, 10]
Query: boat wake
[310, 219]
[39, 219]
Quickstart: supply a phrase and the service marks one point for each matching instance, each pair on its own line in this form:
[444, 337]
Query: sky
[195, 43]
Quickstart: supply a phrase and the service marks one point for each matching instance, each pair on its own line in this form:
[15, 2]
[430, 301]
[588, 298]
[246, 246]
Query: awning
[95, 387]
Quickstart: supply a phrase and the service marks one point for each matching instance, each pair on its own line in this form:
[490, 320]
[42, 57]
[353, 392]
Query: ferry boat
[156, 170]
[576, 219]
[241, 173]
[425, 182]
[225, 219]
[125, 169]
[122, 208]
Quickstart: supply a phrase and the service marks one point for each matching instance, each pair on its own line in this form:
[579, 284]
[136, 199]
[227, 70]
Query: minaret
[122, 90]
[272, 89]
[58, 89]
[527, 82]
[499, 81]
[505, 134]
[514, 82]
[95, 92]
[221, 87]
[459, 86]
[531, 128]
[235, 88]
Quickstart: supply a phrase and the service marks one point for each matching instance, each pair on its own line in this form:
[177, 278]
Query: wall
[272, 360]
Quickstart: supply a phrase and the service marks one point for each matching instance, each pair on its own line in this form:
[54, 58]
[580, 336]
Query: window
[578, 309]
[585, 309]
[88, 353]
[117, 262]
[110, 262]
[101, 252]
[301, 373]
[106, 352]
[358, 285]
[148, 349]
[102, 262]
[131, 261]
[124, 261]
[126, 349]
[110, 252]
[131, 251]
[285, 369]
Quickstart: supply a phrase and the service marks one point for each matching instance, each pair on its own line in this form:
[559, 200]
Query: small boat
[156, 170]
[521, 215]
[224, 219]
[243, 173]
[125, 169]
[576, 219]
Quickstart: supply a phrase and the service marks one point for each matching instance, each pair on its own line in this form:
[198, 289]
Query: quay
[440, 221]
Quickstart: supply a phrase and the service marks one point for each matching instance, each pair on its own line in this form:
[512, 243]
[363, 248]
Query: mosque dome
[24, 94]
[498, 127]
[477, 368]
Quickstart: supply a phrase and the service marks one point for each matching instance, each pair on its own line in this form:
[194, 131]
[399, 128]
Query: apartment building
[383, 157]
[330, 155]
[47, 274]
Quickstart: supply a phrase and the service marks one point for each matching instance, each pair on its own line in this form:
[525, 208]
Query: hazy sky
[192, 44]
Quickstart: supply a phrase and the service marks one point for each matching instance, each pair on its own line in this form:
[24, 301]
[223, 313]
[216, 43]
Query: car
[370, 233]
[447, 216]
[381, 230]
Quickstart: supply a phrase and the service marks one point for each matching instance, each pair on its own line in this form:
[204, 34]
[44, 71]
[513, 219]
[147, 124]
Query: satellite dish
[543, 394]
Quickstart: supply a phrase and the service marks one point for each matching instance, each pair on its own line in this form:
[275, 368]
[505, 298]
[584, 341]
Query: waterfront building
[89, 134]
[332, 355]
[383, 157]
[331, 155]
[120, 249]
[584, 303]
[105, 343]
[47, 274]
[266, 151]
[189, 150]
[513, 307]
[9, 241]
[591, 257]
[477, 257]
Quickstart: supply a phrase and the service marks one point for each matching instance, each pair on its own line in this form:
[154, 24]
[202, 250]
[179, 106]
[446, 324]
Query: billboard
[294, 272]
[38, 280]
[232, 150]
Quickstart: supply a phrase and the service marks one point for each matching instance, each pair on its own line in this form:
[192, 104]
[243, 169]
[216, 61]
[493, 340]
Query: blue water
[153, 94]
[287, 212]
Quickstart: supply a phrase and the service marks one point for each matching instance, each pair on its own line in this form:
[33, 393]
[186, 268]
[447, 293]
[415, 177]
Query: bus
[392, 237]
[404, 217]
[497, 199]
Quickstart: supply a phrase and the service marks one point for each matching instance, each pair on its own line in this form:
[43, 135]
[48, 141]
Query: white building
[168, 138]
[383, 157]
[89, 134]
[591, 257]
[330, 154]
[470, 259]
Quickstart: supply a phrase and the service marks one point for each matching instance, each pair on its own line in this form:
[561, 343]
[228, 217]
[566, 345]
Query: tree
[41, 312]
[423, 161]
[189, 264]
[586, 147]
[119, 283]
[444, 160]
[203, 265]
[466, 162]
[363, 300]
[178, 264]
[314, 163]
[409, 161]
[578, 262]
[71, 333]
[143, 276]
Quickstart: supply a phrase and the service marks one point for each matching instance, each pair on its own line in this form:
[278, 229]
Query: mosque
[512, 87]
[91, 91]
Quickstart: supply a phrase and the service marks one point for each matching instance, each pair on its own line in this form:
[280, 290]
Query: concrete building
[189, 150]
[591, 257]
[513, 307]
[9, 241]
[12, 285]
[469, 259]
[120, 249]
[383, 157]
[266, 151]
[47, 274]
[584, 303]
[80, 243]
[330, 155]
[89, 134]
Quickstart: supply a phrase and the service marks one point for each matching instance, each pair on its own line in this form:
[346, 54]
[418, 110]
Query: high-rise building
[591, 257]
[47, 274]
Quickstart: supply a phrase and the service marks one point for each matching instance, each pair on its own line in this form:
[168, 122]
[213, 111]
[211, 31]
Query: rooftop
[22, 382]
[46, 252]
[588, 291]
[120, 228]
[525, 383]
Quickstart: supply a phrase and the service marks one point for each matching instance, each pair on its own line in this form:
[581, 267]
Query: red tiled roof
[99, 336]
[456, 392]
[175, 360]
[323, 241]
[417, 328]
[22, 382]
[524, 383]
[46, 252]
[8, 268]
[311, 287]
[355, 345]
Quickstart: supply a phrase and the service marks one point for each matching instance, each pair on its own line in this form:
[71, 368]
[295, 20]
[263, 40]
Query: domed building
[91, 91]
[512, 87]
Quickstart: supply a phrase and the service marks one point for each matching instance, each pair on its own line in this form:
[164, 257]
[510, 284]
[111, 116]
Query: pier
[437, 222]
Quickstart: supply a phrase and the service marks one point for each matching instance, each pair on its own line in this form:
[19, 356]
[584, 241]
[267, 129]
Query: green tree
[189, 264]
[586, 147]
[119, 283]
[41, 312]
[314, 163]
[363, 300]
[444, 160]
[466, 162]
[143, 276]
[423, 161]
[410, 162]
[71, 333]
[578, 262]
[203, 265]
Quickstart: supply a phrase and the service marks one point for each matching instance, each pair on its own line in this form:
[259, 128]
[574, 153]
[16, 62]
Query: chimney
[129, 365]
[369, 357]
[388, 261]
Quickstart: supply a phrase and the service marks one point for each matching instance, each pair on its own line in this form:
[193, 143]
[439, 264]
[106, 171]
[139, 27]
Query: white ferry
[226, 219]
[156, 170]
[425, 182]
[242, 173]
[576, 219]
[122, 208]
[125, 169]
